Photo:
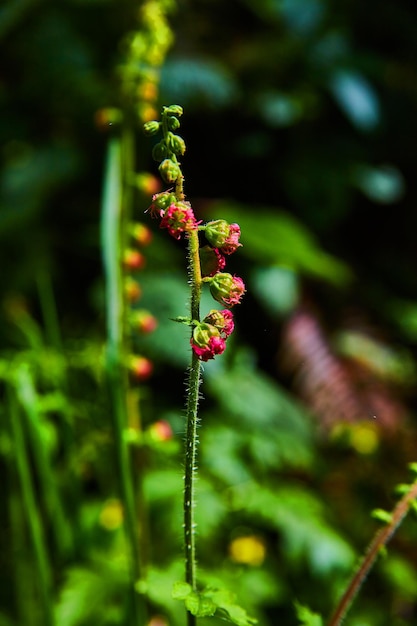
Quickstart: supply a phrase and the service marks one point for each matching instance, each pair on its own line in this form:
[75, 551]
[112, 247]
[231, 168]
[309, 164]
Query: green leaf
[200, 604]
[181, 590]
[307, 617]
[382, 516]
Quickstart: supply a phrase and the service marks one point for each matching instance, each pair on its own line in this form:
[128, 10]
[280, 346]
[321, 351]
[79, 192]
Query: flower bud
[173, 123]
[159, 151]
[169, 171]
[147, 183]
[211, 261]
[141, 234]
[133, 259]
[160, 431]
[143, 321]
[179, 218]
[176, 143]
[140, 367]
[151, 128]
[161, 201]
[227, 289]
[174, 109]
[132, 290]
[223, 235]
[222, 320]
[206, 341]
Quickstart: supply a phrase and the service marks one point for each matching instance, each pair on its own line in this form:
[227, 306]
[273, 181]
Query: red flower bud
[227, 289]
[206, 341]
[141, 234]
[132, 290]
[140, 367]
[133, 259]
[143, 321]
[160, 431]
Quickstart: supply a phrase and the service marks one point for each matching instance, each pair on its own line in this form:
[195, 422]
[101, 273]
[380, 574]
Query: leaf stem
[380, 539]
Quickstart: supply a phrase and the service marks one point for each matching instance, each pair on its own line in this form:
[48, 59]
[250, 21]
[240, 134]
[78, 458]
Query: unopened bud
[141, 234]
[159, 151]
[151, 128]
[174, 109]
[226, 289]
[133, 259]
[173, 123]
[140, 367]
[169, 171]
[176, 143]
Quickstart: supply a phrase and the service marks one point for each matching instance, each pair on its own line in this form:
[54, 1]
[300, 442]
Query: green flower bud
[216, 232]
[175, 143]
[169, 171]
[163, 200]
[151, 128]
[173, 123]
[159, 151]
[174, 109]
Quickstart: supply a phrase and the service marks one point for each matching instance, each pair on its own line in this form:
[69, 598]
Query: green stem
[192, 420]
[379, 541]
[112, 239]
[32, 514]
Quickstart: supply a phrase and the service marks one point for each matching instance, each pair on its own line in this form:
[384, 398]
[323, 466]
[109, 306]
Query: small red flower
[179, 218]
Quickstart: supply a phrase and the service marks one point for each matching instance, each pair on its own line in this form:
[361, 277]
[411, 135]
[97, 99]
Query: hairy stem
[379, 541]
[192, 419]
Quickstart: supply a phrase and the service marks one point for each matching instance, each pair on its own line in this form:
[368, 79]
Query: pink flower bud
[211, 261]
[179, 218]
[141, 234]
[160, 431]
[133, 259]
[140, 367]
[222, 320]
[223, 235]
[143, 321]
[132, 290]
[206, 341]
[227, 289]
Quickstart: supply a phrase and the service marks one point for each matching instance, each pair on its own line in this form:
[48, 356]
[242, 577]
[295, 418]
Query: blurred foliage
[300, 125]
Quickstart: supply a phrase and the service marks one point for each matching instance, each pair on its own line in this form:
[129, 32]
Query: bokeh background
[300, 125]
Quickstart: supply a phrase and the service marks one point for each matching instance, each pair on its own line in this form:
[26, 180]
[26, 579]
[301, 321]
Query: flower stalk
[205, 265]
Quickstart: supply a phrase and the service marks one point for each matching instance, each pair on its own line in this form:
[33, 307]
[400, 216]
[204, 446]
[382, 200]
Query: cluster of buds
[140, 320]
[222, 239]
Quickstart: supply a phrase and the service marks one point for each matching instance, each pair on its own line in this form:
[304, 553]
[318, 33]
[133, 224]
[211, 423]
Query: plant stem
[32, 514]
[113, 202]
[192, 420]
[380, 540]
